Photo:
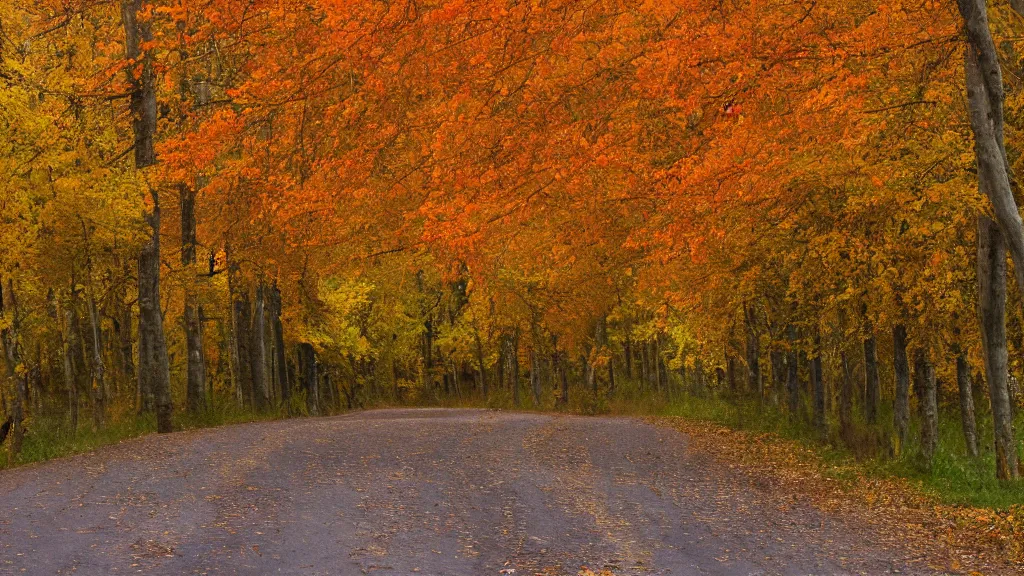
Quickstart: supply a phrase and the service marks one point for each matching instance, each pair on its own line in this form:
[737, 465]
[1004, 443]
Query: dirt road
[434, 492]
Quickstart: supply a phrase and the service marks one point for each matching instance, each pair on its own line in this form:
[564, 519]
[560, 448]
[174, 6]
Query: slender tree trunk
[792, 381]
[309, 377]
[611, 376]
[872, 391]
[992, 314]
[564, 371]
[513, 359]
[753, 354]
[963, 380]
[818, 385]
[929, 409]
[280, 363]
[659, 380]
[195, 387]
[730, 371]
[99, 388]
[481, 367]
[535, 377]
[627, 353]
[845, 400]
[69, 373]
[243, 346]
[901, 368]
[261, 394]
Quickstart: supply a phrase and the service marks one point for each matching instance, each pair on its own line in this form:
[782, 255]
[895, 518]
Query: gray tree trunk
[261, 394]
[924, 380]
[195, 387]
[992, 313]
[792, 375]
[872, 390]
[243, 346]
[901, 368]
[12, 358]
[154, 367]
[845, 399]
[535, 377]
[753, 354]
[818, 386]
[309, 377]
[963, 380]
[70, 382]
[277, 328]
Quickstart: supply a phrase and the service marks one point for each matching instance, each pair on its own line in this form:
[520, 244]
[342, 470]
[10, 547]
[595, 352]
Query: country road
[435, 492]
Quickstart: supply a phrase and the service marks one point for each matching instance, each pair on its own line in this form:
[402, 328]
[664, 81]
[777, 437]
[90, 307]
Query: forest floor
[474, 492]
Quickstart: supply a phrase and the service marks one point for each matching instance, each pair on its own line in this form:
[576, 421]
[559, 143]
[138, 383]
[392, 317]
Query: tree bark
[261, 394]
[9, 338]
[309, 378]
[984, 81]
[70, 382]
[872, 390]
[753, 354]
[535, 377]
[792, 381]
[818, 386]
[901, 368]
[481, 367]
[277, 328]
[512, 358]
[992, 314]
[243, 346]
[195, 387]
[968, 423]
[845, 400]
[924, 380]
[154, 367]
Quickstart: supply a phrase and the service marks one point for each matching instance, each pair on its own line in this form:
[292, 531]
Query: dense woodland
[303, 206]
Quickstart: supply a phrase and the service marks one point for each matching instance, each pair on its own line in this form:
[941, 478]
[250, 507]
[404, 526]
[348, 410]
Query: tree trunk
[70, 381]
[512, 357]
[481, 367]
[992, 314]
[928, 405]
[753, 354]
[243, 346]
[901, 368]
[968, 423]
[309, 379]
[872, 390]
[845, 400]
[792, 381]
[12, 359]
[99, 384]
[730, 371]
[627, 353]
[564, 371]
[818, 386]
[195, 387]
[261, 394]
[277, 329]
[984, 82]
[154, 367]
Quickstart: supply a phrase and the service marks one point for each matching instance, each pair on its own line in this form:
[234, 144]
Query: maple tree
[544, 204]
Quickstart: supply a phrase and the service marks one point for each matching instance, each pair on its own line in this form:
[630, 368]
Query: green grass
[50, 437]
[954, 478]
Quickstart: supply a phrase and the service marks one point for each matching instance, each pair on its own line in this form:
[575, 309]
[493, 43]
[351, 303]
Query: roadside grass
[50, 437]
[955, 478]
